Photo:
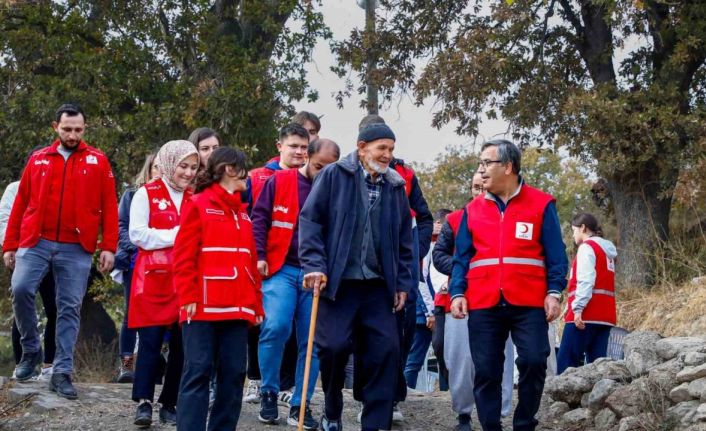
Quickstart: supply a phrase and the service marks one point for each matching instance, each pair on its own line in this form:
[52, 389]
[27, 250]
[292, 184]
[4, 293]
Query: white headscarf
[170, 155]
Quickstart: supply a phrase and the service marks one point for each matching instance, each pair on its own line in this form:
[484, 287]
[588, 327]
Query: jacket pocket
[228, 287]
[158, 281]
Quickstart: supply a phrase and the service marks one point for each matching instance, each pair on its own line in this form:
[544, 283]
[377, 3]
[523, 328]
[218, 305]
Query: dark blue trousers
[417, 354]
[359, 321]
[128, 337]
[222, 345]
[488, 330]
[578, 345]
[406, 321]
[148, 364]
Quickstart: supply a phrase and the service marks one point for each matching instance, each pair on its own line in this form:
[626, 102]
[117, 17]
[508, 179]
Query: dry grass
[94, 362]
[670, 310]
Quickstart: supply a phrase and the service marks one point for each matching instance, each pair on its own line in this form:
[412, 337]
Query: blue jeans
[417, 354]
[286, 303]
[578, 345]
[70, 264]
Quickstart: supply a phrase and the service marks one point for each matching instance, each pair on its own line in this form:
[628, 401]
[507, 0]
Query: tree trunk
[642, 208]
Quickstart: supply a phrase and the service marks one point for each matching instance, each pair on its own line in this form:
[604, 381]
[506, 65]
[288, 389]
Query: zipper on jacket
[502, 222]
[61, 195]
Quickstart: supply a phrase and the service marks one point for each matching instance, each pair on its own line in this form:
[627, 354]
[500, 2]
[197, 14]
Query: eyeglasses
[485, 163]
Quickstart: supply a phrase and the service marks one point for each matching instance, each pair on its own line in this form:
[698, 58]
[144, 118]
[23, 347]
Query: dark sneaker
[464, 423]
[327, 425]
[126, 373]
[61, 384]
[269, 413]
[27, 368]
[143, 415]
[168, 415]
[309, 421]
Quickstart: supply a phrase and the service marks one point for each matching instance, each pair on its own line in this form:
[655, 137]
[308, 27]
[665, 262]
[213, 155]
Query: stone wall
[661, 385]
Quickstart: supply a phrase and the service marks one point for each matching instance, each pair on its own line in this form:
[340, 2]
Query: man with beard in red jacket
[66, 196]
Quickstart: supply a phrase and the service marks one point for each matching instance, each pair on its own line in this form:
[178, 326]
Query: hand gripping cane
[309, 352]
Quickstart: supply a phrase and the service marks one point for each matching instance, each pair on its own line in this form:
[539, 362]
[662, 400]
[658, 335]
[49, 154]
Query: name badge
[91, 160]
[524, 230]
[611, 265]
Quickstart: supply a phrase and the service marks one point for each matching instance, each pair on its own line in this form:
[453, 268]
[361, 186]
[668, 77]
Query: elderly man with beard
[355, 247]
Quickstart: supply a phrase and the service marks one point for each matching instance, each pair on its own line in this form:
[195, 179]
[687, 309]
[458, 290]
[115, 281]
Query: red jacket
[258, 177]
[444, 299]
[153, 298]
[509, 255]
[407, 174]
[285, 214]
[215, 262]
[601, 307]
[65, 201]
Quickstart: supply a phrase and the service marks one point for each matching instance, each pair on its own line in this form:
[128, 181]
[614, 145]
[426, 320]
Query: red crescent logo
[524, 228]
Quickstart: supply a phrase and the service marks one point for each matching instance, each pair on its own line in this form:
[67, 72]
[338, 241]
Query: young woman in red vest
[215, 271]
[154, 308]
[591, 312]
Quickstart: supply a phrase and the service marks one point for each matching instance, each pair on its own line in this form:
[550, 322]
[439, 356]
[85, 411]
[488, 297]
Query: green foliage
[447, 182]
[147, 72]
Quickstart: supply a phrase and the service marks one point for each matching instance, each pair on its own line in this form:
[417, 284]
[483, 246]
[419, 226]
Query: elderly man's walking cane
[309, 352]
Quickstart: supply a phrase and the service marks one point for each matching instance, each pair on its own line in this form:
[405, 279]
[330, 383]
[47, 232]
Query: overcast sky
[417, 140]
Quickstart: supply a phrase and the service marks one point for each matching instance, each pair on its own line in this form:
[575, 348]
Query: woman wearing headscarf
[154, 307]
[215, 271]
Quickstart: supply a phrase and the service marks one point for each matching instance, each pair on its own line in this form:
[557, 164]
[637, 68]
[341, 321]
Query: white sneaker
[285, 398]
[45, 374]
[397, 415]
[252, 393]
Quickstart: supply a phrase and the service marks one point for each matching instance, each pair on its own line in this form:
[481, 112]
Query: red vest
[407, 174]
[258, 176]
[509, 256]
[444, 299]
[601, 307]
[285, 213]
[153, 297]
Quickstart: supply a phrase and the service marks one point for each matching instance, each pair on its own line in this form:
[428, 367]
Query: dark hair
[370, 119]
[216, 167]
[71, 110]
[507, 153]
[293, 129]
[201, 134]
[318, 144]
[588, 220]
[304, 116]
[440, 214]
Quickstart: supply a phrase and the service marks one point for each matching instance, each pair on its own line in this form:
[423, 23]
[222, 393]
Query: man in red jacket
[66, 196]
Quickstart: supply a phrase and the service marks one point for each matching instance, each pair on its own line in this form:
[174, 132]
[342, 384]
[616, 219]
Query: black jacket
[443, 253]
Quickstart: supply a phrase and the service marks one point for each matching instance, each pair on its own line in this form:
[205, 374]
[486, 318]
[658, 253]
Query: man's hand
[552, 308]
[316, 281]
[431, 322]
[459, 307]
[400, 299]
[259, 319]
[106, 261]
[578, 321]
[262, 268]
[190, 310]
[9, 258]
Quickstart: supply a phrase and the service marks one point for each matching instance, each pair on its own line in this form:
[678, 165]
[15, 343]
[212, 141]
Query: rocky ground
[107, 407]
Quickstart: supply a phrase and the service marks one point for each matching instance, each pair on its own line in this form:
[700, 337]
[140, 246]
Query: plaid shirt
[374, 185]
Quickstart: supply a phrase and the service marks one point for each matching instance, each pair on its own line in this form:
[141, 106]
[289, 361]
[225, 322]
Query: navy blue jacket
[555, 260]
[327, 219]
[126, 249]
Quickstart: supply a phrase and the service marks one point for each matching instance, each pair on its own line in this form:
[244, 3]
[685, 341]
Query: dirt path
[107, 407]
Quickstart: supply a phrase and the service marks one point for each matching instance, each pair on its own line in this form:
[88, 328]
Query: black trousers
[437, 343]
[147, 366]
[48, 294]
[204, 342]
[359, 321]
[488, 330]
[406, 323]
[253, 363]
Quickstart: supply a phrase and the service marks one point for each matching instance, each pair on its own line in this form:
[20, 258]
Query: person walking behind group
[215, 271]
[292, 146]
[206, 141]
[46, 290]
[124, 263]
[355, 243]
[591, 312]
[66, 196]
[310, 122]
[154, 307]
[509, 270]
[456, 345]
[287, 305]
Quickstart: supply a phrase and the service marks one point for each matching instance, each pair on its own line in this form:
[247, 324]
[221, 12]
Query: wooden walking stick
[309, 352]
